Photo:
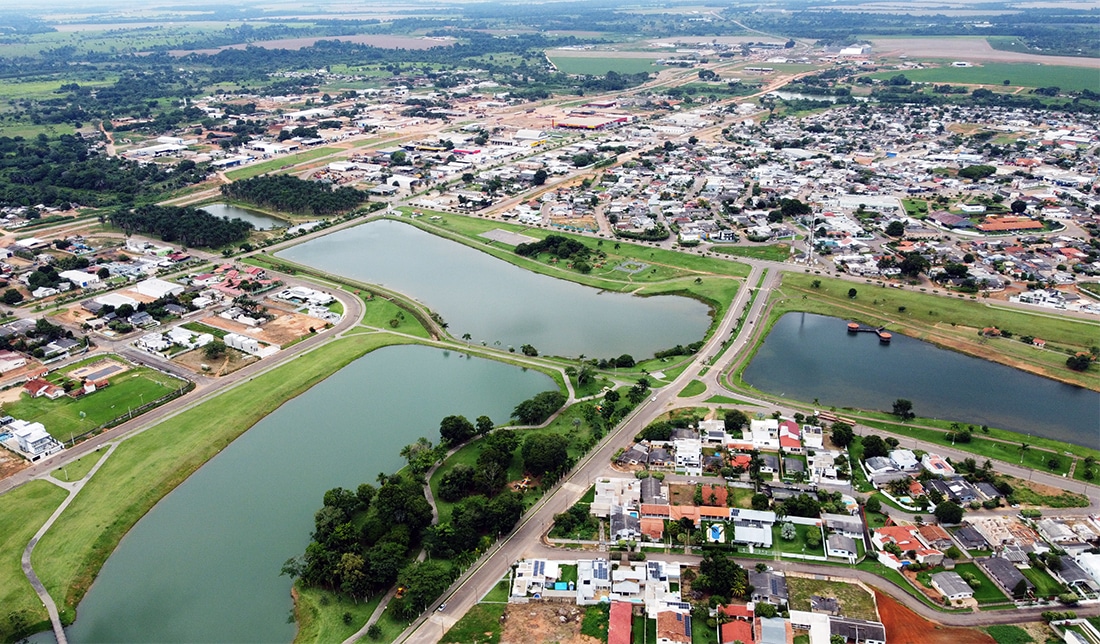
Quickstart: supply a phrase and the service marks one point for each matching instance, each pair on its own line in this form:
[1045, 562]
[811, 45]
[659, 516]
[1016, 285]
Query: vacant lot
[855, 602]
[1018, 74]
[597, 65]
[903, 625]
[544, 623]
[969, 49]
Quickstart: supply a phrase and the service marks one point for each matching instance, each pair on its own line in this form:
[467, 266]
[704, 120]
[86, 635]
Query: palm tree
[1023, 448]
[466, 337]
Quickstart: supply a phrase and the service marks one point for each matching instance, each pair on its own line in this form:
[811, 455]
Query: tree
[483, 425]
[735, 420]
[540, 177]
[851, 293]
[424, 581]
[903, 409]
[842, 434]
[1079, 362]
[760, 501]
[949, 512]
[788, 531]
[529, 350]
[537, 409]
[213, 350]
[544, 453]
[12, 297]
[873, 505]
[873, 446]
[455, 430]
[1018, 206]
[895, 229]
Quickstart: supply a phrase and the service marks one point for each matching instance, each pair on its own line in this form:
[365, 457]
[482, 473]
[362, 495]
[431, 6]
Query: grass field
[1045, 585]
[599, 65]
[988, 592]
[380, 313]
[693, 388]
[320, 615]
[480, 625]
[62, 417]
[79, 468]
[854, 601]
[278, 163]
[1008, 634]
[146, 467]
[1018, 75]
[24, 511]
[773, 252]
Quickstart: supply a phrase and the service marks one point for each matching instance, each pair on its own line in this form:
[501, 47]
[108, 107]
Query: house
[689, 456]
[615, 491]
[838, 545]
[793, 467]
[845, 524]
[970, 538]
[33, 438]
[752, 527]
[769, 463]
[857, 631]
[620, 623]
[1006, 575]
[673, 628]
[38, 388]
[764, 433]
[936, 464]
[952, 586]
[934, 536]
[10, 361]
[653, 491]
[157, 288]
[624, 525]
[769, 587]
[79, 279]
[813, 437]
[904, 460]
[771, 630]
[739, 627]
[790, 437]
[533, 576]
[593, 581]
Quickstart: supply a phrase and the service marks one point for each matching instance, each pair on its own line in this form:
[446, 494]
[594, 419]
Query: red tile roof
[618, 631]
[737, 630]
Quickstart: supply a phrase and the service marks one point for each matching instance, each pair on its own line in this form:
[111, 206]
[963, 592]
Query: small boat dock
[883, 335]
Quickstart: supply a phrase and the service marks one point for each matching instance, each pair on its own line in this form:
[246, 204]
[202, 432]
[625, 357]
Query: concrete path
[28, 569]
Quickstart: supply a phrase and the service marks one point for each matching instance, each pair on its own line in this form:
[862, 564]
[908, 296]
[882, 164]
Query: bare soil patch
[526, 623]
[903, 626]
[285, 328]
[10, 463]
[232, 361]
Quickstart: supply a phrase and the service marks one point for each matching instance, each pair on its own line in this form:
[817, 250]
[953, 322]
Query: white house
[689, 456]
[157, 288]
[33, 438]
[844, 547]
[951, 585]
[905, 460]
[10, 361]
[79, 279]
[764, 433]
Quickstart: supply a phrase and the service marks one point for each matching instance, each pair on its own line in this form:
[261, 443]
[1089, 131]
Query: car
[441, 607]
[653, 399]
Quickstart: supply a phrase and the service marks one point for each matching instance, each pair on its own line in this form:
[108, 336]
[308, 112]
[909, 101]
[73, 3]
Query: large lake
[262, 221]
[495, 301]
[203, 565]
[809, 356]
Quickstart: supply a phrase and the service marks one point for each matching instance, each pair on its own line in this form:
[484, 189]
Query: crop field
[600, 65]
[1017, 75]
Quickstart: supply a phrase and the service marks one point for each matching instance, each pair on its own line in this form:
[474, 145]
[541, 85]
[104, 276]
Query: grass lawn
[644, 631]
[146, 467]
[1024, 495]
[480, 625]
[596, 621]
[199, 327]
[279, 163]
[79, 468]
[499, 593]
[739, 497]
[773, 252]
[381, 313]
[25, 509]
[62, 417]
[988, 593]
[693, 388]
[320, 613]
[1045, 585]
[798, 545]
[1018, 74]
[1008, 634]
[854, 601]
[726, 400]
[599, 65]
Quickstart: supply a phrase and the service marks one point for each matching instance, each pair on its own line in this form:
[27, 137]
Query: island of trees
[185, 226]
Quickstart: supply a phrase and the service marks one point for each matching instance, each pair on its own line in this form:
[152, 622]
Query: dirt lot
[543, 623]
[10, 463]
[903, 626]
[194, 360]
[287, 327]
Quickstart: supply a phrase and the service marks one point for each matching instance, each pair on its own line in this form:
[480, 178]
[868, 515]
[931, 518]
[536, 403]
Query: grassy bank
[320, 614]
[25, 510]
[146, 467]
[949, 322]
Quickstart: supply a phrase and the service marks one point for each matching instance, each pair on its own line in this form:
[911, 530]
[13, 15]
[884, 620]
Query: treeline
[185, 226]
[912, 95]
[63, 171]
[291, 194]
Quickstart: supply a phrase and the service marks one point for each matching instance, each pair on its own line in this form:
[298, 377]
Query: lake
[497, 302]
[808, 356]
[203, 565]
[262, 221]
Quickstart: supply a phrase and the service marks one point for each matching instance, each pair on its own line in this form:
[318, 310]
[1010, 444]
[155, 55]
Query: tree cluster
[535, 411]
[291, 194]
[556, 245]
[186, 226]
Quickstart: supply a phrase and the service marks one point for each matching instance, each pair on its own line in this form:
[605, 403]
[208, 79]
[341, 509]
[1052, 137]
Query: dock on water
[883, 335]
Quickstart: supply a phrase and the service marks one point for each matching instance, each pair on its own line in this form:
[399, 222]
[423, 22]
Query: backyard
[855, 602]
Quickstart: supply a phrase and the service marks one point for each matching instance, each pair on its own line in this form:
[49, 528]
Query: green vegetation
[1045, 585]
[320, 614]
[287, 193]
[381, 313]
[1019, 75]
[67, 417]
[199, 327]
[146, 467]
[773, 252]
[596, 621]
[693, 388]
[854, 601]
[279, 163]
[480, 625]
[1025, 495]
[25, 510]
[79, 468]
[987, 592]
[600, 65]
[186, 226]
[1008, 634]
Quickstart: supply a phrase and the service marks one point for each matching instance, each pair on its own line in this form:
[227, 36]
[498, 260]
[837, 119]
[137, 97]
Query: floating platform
[883, 335]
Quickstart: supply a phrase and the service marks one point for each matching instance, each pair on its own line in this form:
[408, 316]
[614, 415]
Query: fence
[136, 411]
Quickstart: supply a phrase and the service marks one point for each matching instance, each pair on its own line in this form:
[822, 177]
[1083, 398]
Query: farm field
[599, 65]
[1018, 75]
